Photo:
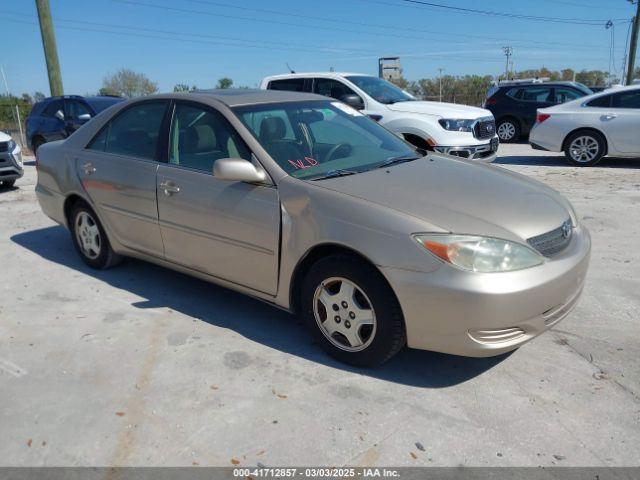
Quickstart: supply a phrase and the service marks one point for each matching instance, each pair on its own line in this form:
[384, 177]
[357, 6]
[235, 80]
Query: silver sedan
[309, 205]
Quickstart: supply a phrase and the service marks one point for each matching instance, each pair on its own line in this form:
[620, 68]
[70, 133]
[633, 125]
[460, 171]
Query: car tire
[366, 324]
[7, 183]
[508, 130]
[585, 148]
[90, 239]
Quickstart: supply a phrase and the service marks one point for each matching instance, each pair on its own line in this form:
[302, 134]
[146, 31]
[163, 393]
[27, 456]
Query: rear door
[226, 229]
[118, 171]
[530, 100]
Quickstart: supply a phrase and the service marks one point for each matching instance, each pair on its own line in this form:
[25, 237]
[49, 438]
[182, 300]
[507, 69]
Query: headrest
[199, 138]
[272, 129]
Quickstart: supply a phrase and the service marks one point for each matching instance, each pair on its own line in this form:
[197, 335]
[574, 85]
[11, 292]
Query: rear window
[289, 84]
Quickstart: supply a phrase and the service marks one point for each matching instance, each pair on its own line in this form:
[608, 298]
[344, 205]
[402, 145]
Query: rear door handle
[169, 187]
[88, 168]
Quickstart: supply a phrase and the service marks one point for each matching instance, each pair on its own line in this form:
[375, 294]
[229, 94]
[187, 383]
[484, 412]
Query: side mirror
[237, 170]
[59, 115]
[84, 117]
[353, 101]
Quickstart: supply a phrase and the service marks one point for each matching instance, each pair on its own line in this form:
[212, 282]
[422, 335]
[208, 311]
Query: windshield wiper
[335, 173]
[399, 159]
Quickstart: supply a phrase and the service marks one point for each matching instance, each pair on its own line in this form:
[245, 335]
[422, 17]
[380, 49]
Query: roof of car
[233, 97]
[316, 74]
[538, 84]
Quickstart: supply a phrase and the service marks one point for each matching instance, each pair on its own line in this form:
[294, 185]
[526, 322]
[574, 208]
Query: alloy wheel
[584, 149]
[344, 314]
[506, 131]
[88, 235]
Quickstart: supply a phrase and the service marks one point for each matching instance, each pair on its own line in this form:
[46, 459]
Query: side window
[200, 136]
[331, 88]
[629, 99]
[134, 132]
[74, 108]
[515, 93]
[52, 108]
[537, 94]
[290, 84]
[566, 94]
[601, 102]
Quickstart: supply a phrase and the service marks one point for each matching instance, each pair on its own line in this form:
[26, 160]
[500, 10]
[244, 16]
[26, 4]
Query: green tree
[224, 82]
[38, 96]
[128, 83]
[181, 87]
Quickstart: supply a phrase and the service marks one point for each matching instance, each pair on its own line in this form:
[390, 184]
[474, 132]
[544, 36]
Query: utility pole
[50, 49]
[634, 44]
[508, 51]
[440, 70]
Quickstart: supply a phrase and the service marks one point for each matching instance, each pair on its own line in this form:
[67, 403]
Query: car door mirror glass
[353, 101]
[237, 170]
[59, 115]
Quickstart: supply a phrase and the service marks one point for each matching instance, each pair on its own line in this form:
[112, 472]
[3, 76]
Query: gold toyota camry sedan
[310, 205]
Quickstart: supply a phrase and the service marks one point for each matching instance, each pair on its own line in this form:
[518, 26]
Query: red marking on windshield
[301, 164]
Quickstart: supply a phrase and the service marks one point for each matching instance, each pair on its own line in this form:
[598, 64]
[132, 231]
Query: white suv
[460, 130]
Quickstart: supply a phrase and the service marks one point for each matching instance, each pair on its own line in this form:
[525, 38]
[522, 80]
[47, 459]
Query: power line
[327, 28]
[575, 21]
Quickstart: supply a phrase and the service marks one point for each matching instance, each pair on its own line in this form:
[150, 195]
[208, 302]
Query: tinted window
[536, 94]
[603, 102]
[515, 92]
[133, 132]
[564, 94]
[291, 84]
[199, 137]
[629, 99]
[101, 103]
[74, 109]
[52, 108]
[380, 89]
[37, 109]
[331, 88]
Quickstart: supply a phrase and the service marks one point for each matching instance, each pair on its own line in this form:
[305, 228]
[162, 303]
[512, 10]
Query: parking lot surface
[140, 365]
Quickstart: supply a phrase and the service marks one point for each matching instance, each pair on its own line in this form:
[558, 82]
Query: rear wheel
[508, 130]
[90, 239]
[351, 311]
[585, 148]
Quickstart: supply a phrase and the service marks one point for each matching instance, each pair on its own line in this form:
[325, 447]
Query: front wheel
[351, 311]
[585, 149]
[90, 239]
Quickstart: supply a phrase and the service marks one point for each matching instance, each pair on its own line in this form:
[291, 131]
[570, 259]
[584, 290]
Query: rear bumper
[480, 315]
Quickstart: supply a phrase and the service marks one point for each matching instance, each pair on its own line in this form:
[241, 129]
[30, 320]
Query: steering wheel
[331, 153]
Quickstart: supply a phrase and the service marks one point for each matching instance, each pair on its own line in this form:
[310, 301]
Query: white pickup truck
[460, 130]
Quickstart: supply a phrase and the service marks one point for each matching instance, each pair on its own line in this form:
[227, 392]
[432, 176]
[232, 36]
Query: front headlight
[457, 125]
[11, 146]
[480, 254]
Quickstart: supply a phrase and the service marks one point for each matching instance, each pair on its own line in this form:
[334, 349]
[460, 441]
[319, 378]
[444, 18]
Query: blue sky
[198, 41]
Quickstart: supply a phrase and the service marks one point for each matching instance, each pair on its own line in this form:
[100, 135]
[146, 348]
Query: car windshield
[584, 88]
[313, 140]
[380, 90]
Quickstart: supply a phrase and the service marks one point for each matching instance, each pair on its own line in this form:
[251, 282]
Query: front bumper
[486, 152]
[481, 315]
[11, 165]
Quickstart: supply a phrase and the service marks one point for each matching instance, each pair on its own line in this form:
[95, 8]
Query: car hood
[460, 197]
[4, 137]
[444, 110]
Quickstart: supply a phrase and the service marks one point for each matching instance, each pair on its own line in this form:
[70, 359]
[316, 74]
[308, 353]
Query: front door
[226, 229]
[118, 171]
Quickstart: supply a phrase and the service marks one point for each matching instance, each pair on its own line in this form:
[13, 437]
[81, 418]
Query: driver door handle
[169, 187]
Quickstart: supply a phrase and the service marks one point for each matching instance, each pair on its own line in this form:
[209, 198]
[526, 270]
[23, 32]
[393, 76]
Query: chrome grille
[553, 242]
[485, 129]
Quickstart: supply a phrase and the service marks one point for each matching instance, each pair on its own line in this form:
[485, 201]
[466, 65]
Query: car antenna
[291, 70]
